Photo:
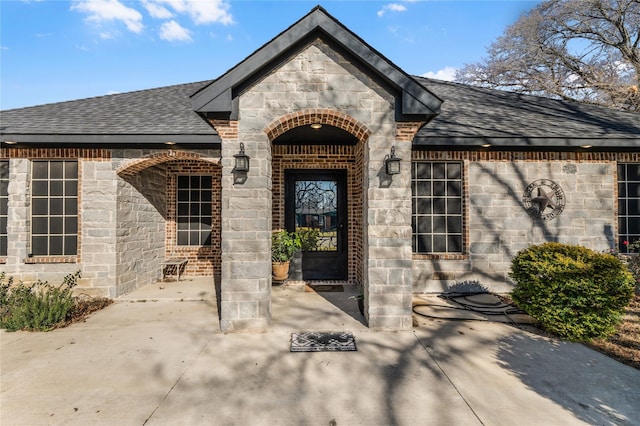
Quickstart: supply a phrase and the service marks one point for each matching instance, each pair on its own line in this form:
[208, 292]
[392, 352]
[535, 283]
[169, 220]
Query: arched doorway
[318, 189]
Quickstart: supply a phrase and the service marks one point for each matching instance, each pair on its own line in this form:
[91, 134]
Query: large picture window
[54, 208]
[628, 204]
[4, 205]
[437, 207]
[194, 210]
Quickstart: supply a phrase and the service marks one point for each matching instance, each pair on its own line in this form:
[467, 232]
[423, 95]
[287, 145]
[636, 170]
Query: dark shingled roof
[469, 117]
[151, 115]
[472, 115]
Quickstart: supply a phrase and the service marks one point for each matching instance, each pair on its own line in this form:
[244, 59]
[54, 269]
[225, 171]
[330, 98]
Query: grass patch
[624, 343]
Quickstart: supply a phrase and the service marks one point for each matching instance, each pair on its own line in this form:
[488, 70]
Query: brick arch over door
[137, 166]
[326, 116]
[325, 157]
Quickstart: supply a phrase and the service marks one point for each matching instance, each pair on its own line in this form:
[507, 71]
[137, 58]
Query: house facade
[115, 185]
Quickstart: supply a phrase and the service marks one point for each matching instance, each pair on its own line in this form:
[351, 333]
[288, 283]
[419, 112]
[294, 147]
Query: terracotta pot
[280, 270]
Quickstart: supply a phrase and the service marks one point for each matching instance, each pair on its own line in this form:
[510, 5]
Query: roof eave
[9, 139]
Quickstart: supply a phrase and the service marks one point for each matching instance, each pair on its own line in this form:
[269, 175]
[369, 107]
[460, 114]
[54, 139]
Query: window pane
[439, 224]
[40, 206]
[454, 225]
[438, 171]
[423, 171]
[183, 238]
[454, 189]
[71, 206]
[424, 225]
[439, 206]
[439, 188]
[206, 182]
[40, 170]
[39, 245]
[56, 170]
[40, 188]
[454, 171]
[56, 188]
[70, 188]
[40, 225]
[3, 245]
[183, 195]
[633, 172]
[423, 189]
[55, 206]
[454, 243]
[440, 243]
[206, 195]
[56, 225]
[71, 170]
[70, 245]
[55, 245]
[423, 206]
[633, 190]
[454, 206]
[633, 206]
[206, 239]
[424, 244]
[4, 207]
[71, 225]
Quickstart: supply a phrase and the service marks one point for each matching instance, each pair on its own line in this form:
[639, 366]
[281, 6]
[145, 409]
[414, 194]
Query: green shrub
[308, 238]
[574, 292]
[39, 307]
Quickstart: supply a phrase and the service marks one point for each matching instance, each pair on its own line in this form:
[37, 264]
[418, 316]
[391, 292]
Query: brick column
[246, 234]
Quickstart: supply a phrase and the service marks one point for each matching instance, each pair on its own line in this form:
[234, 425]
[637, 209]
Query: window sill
[50, 259]
[440, 256]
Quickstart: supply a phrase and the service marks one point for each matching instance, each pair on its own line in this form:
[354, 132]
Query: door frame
[336, 263]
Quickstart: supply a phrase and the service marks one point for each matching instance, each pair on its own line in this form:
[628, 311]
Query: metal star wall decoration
[550, 196]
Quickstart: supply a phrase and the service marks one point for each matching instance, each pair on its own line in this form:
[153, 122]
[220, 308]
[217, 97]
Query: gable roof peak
[416, 102]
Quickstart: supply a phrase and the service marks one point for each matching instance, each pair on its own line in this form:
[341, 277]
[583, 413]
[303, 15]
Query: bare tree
[582, 50]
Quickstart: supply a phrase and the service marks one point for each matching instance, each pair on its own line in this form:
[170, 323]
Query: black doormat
[314, 341]
[323, 288]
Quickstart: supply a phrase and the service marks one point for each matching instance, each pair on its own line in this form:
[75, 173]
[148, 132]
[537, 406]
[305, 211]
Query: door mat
[314, 341]
[323, 288]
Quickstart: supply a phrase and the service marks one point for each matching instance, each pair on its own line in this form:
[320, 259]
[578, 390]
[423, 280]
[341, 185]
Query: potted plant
[283, 246]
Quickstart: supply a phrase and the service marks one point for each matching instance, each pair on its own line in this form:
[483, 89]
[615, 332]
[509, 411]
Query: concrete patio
[158, 357]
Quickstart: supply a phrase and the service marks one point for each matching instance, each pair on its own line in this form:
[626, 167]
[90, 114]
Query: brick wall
[329, 157]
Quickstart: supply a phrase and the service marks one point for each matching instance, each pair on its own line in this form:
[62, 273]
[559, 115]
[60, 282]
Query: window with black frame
[4, 205]
[194, 210]
[437, 207]
[628, 206]
[54, 208]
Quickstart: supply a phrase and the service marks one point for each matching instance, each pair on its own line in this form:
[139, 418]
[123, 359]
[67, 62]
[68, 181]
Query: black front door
[316, 207]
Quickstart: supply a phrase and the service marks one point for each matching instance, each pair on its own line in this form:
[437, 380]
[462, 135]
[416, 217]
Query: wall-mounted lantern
[242, 160]
[392, 163]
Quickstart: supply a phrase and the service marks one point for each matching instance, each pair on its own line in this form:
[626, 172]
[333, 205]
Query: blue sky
[57, 50]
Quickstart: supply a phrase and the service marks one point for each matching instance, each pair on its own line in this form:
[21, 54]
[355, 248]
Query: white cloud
[157, 11]
[172, 31]
[201, 11]
[391, 7]
[4, 48]
[110, 10]
[106, 36]
[446, 74]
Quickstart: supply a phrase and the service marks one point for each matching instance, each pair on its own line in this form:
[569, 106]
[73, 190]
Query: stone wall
[498, 225]
[141, 226]
[316, 78]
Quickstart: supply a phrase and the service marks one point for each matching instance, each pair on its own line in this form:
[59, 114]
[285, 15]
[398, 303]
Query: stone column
[388, 263]
[246, 234]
